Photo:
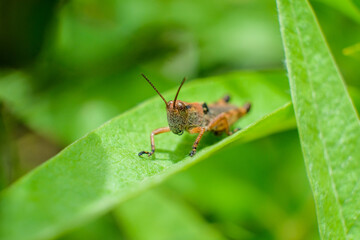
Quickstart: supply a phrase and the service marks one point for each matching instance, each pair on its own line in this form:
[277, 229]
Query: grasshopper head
[177, 116]
[176, 111]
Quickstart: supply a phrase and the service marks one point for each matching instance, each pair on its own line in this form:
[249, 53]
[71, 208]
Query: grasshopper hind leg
[229, 133]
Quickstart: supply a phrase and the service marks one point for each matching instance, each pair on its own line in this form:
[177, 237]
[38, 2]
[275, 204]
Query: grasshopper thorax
[177, 116]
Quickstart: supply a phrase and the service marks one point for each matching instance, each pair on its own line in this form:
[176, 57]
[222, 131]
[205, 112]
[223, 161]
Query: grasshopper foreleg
[201, 131]
[152, 140]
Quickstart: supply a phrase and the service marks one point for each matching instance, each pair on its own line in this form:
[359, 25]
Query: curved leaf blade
[327, 121]
[347, 7]
[102, 169]
[171, 216]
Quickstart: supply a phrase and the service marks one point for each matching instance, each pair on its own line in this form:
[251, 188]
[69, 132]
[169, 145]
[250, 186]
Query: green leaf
[349, 8]
[245, 206]
[105, 227]
[355, 96]
[103, 169]
[353, 51]
[171, 217]
[66, 112]
[327, 122]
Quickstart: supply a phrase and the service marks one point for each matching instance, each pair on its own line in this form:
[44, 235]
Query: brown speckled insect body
[197, 118]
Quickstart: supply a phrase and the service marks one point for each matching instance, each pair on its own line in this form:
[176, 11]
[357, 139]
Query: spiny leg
[152, 140]
[201, 131]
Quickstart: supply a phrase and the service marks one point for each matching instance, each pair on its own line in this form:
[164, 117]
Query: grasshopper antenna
[154, 88]
[178, 91]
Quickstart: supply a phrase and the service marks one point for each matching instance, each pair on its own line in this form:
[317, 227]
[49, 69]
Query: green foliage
[351, 8]
[255, 190]
[230, 198]
[102, 169]
[328, 125]
[85, 69]
[89, 68]
[140, 216]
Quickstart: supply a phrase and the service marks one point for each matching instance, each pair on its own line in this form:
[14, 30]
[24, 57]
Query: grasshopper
[197, 118]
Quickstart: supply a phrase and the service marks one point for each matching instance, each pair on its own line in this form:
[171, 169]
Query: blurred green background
[68, 66]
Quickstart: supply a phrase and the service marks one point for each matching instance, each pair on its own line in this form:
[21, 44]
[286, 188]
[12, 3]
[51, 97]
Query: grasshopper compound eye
[180, 133]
